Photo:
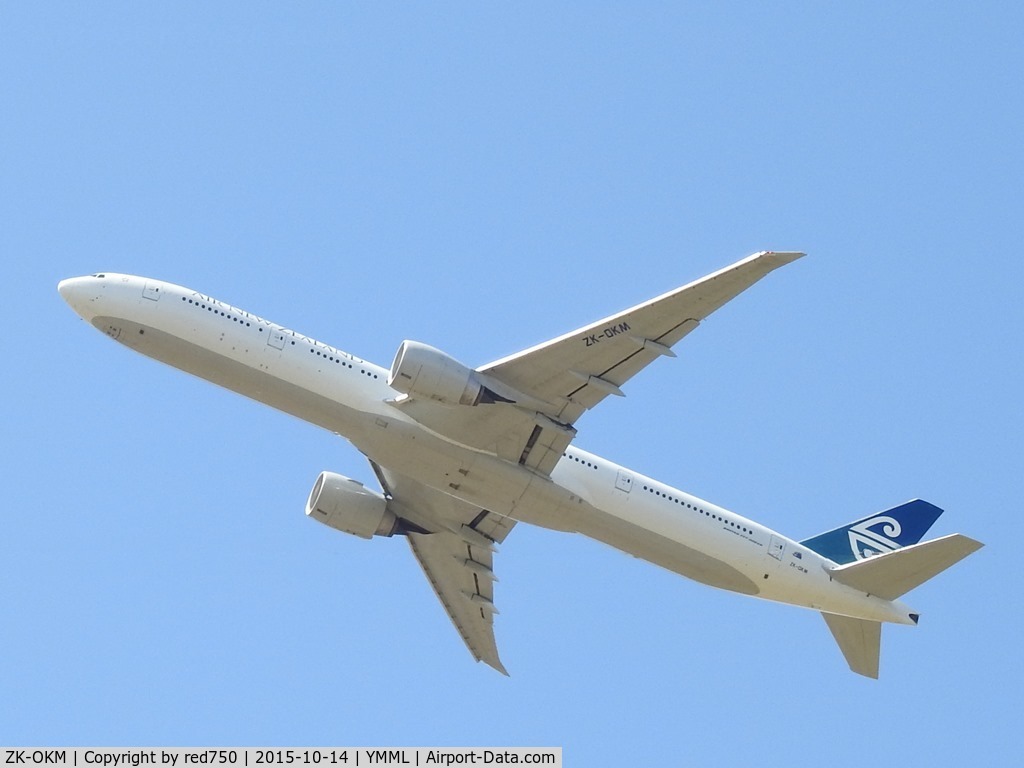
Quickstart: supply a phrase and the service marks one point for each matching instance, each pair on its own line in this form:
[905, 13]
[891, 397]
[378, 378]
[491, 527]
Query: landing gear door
[624, 481]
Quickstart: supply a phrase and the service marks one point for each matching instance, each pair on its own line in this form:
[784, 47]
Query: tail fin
[876, 534]
[860, 641]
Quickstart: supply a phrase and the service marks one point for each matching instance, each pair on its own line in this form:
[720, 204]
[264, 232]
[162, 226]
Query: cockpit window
[99, 275]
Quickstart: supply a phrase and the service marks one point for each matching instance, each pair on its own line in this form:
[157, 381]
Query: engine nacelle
[347, 505]
[426, 372]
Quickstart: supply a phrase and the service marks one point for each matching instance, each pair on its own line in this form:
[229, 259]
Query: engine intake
[426, 372]
[347, 505]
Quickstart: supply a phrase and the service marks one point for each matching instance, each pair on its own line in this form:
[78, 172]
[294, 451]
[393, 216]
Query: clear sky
[482, 177]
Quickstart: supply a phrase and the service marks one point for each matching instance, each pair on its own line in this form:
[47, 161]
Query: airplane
[464, 454]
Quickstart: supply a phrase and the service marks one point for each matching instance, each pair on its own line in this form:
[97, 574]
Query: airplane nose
[74, 292]
[64, 289]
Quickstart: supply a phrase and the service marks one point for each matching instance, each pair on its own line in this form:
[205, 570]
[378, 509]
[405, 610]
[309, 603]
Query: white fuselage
[350, 397]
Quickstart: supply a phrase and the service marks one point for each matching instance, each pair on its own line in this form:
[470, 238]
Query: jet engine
[426, 372]
[347, 505]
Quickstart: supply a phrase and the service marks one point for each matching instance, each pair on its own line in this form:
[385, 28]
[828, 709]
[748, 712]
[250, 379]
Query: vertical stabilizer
[860, 641]
[876, 534]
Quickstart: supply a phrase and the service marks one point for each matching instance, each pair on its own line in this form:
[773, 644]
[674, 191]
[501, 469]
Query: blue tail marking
[879, 533]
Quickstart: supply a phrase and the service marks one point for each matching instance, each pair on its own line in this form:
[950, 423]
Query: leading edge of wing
[765, 261]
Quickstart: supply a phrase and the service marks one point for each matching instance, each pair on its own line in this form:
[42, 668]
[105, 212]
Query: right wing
[462, 577]
[456, 553]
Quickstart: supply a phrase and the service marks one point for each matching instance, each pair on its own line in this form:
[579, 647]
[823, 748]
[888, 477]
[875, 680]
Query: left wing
[546, 388]
[576, 371]
[457, 557]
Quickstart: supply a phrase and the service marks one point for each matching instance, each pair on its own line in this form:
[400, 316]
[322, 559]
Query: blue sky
[483, 177]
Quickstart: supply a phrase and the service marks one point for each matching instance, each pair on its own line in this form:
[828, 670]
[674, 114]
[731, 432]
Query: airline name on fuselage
[200, 297]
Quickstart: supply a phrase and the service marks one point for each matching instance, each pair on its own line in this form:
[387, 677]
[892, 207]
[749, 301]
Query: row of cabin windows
[671, 498]
[247, 324]
[333, 359]
[578, 460]
[220, 312]
[725, 520]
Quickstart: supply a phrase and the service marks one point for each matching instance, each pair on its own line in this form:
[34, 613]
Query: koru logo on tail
[874, 537]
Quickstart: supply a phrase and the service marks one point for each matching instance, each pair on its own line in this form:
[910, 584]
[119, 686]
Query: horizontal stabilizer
[860, 641]
[895, 573]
